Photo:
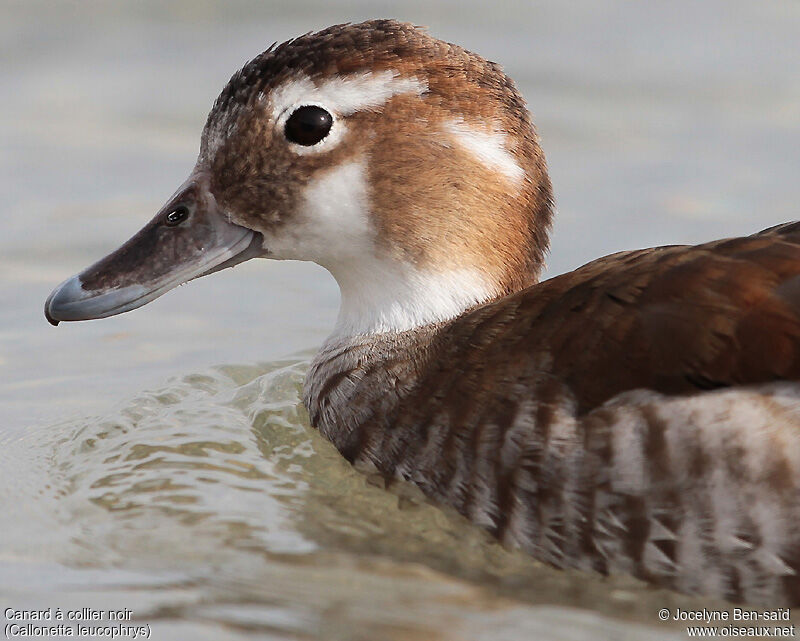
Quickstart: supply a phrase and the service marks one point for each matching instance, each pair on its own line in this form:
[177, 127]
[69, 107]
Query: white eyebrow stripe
[488, 147]
[344, 95]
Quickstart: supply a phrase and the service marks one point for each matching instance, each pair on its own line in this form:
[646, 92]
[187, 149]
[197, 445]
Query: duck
[639, 415]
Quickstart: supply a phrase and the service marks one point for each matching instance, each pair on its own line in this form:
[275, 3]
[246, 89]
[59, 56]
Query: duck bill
[190, 237]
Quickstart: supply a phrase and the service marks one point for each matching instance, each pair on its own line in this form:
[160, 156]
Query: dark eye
[308, 125]
[176, 216]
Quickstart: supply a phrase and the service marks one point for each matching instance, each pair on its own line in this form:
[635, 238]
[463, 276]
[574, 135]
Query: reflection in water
[218, 481]
[192, 454]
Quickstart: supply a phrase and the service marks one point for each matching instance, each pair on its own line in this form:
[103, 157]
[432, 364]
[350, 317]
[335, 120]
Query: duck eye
[308, 125]
[176, 216]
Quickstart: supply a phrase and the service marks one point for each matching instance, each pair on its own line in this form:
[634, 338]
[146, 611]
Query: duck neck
[390, 297]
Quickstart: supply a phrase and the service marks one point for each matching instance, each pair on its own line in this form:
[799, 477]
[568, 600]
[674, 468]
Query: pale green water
[207, 505]
[211, 508]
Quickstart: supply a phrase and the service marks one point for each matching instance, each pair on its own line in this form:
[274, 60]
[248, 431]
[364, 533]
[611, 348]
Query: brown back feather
[670, 319]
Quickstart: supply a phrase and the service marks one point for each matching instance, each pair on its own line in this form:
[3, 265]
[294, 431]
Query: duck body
[556, 419]
[638, 415]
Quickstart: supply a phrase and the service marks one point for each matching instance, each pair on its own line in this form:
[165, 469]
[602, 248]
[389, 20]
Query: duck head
[406, 166]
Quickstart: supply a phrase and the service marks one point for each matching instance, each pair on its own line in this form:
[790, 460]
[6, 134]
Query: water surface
[161, 460]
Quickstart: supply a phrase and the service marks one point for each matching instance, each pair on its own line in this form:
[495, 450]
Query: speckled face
[406, 166]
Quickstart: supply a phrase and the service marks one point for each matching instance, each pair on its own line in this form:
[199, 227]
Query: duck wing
[674, 320]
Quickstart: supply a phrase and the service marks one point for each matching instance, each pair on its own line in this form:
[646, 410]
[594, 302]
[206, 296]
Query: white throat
[379, 296]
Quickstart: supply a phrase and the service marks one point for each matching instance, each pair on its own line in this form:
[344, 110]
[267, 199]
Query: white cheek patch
[341, 96]
[333, 228]
[332, 222]
[489, 148]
